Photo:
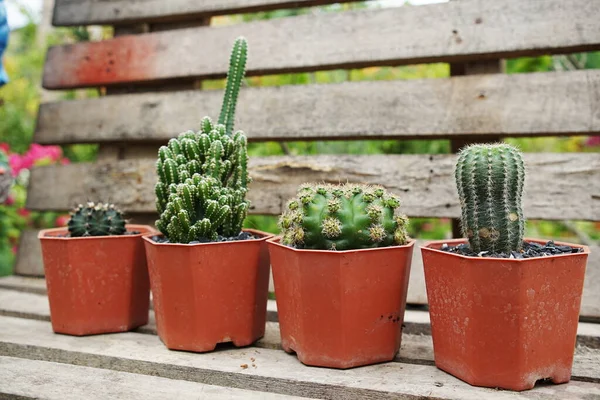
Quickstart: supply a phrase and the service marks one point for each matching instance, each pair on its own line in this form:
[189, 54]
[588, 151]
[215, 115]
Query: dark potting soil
[530, 250]
[241, 236]
[128, 233]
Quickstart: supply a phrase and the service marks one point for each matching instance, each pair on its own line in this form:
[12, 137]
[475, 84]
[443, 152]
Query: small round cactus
[489, 179]
[343, 217]
[93, 219]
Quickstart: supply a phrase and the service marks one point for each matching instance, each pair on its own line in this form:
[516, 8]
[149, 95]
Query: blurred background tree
[20, 99]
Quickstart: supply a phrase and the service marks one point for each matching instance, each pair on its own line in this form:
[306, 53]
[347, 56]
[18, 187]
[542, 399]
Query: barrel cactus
[202, 176]
[343, 217]
[96, 219]
[489, 179]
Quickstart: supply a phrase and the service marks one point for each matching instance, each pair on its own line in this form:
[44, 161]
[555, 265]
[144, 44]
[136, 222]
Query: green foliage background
[19, 101]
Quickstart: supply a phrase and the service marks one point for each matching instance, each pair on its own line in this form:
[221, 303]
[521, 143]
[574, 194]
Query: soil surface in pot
[68, 235]
[241, 236]
[530, 250]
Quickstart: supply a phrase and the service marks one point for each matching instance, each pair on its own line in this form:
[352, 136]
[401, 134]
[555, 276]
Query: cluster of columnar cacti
[202, 176]
[343, 217]
[96, 219]
[490, 180]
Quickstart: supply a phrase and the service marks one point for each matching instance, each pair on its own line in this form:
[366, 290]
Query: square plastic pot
[96, 284]
[209, 293]
[500, 322]
[341, 309]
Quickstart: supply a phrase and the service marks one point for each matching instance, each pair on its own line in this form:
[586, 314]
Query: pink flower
[62, 220]
[10, 200]
[593, 141]
[18, 163]
[23, 212]
[5, 147]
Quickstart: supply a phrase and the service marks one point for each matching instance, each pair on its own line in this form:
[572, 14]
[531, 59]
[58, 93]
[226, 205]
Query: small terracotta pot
[209, 293]
[96, 284]
[341, 309]
[500, 322]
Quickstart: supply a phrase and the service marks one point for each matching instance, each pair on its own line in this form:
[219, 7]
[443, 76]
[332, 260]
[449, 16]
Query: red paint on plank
[121, 60]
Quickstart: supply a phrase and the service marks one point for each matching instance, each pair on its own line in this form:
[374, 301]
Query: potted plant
[209, 279]
[504, 311]
[96, 272]
[341, 272]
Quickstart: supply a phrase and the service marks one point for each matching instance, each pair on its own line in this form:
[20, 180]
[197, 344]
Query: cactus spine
[343, 217]
[101, 219]
[490, 179]
[202, 176]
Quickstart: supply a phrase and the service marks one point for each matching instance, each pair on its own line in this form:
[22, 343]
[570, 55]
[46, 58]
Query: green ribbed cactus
[490, 179]
[343, 217]
[101, 219]
[202, 176]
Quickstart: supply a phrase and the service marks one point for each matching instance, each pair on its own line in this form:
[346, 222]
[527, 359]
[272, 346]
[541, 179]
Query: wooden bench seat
[27, 343]
[153, 79]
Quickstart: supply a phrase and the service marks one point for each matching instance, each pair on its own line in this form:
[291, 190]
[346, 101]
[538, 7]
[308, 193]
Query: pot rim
[264, 236]
[42, 234]
[275, 242]
[427, 247]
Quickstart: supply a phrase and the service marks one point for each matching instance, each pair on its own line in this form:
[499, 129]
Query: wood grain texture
[117, 12]
[29, 254]
[457, 31]
[274, 371]
[536, 104]
[558, 186]
[55, 381]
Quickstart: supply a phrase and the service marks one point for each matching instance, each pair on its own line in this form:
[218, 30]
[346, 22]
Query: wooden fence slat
[275, 371]
[456, 31]
[558, 186]
[117, 12]
[537, 104]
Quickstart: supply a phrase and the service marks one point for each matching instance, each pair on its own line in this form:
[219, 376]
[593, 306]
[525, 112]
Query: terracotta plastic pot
[504, 322]
[341, 309]
[96, 284]
[209, 293]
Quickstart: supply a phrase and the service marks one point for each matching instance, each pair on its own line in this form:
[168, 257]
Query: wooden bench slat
[535, 104]
[558, 185]
[19, 302]
[59, 381]
[117, 12]
[449, 32]
[275, 371]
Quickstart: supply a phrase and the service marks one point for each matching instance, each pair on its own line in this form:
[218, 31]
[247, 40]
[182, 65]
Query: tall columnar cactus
[343, 217]
[101, 219]
[202, 176]
[490, 179]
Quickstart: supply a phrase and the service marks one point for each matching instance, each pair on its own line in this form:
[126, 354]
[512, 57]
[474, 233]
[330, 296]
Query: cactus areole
[489, 179]
[202, 175]
[343, 217]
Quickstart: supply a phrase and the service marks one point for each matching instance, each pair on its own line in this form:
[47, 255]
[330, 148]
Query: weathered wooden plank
[117, 12]
[496, 105]
[23, 304]
[23, 284]
[273, 370]
[449, 32]
[29, 254]
[55, 381]
[558, 186]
